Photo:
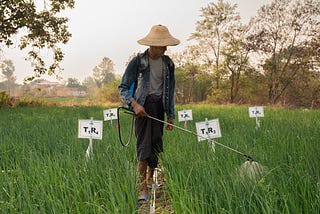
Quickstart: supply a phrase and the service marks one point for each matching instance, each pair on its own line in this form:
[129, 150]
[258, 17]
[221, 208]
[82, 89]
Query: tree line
[273, 59]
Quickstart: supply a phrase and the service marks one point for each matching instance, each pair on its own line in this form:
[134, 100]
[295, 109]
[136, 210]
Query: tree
[305, 90]
[109, 92]
[89, 85]
[236, 54]
[73, 83]
[222, 49]
[187, 71]
[8, 69]
[104, 72]
[182, 85]
[279, 34]
[40, 29]
[219, 20]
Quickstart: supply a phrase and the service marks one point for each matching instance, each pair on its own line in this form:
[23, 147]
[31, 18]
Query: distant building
[45, 88]
[48, 84]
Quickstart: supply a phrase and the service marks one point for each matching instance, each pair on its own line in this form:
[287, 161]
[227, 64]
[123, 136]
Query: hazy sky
[102, 28]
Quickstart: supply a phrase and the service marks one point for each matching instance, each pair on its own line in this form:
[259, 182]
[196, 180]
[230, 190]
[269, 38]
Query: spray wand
[249, 158]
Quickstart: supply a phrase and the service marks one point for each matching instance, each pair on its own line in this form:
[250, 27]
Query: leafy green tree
[192, 84]
[222, 49]
[90, 85]
[104, 72]
[186, 74]
[219, 20]
[305, 90]
[89, 82]
[39, 29]
[109, 93]
[202, 86]
[181, 88]
[8, 69]
[253, 88]
[279, 34]
[236, 63]
[73, 83]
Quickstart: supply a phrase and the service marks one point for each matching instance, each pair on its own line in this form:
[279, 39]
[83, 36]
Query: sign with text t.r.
[110, 114]
[208, 129]
[256, 111]
[184, 115]
[90, 129]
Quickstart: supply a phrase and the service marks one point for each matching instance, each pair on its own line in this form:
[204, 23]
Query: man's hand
[138, 109]
[169, 127]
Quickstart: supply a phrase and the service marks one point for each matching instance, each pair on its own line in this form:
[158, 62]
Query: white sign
[184, 115]
[110, 114]
[208, 129]
[90, 129]
[256, 111]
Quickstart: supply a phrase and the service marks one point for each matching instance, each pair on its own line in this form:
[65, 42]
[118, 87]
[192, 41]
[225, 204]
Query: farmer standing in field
[148, 87]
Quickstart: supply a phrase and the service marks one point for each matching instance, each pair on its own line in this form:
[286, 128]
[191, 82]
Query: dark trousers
[149, 132]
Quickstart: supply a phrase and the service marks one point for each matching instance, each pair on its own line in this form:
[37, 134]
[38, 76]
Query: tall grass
[286, 144]
[44, 169]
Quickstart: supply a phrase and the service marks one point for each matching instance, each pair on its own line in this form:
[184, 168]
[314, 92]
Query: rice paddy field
[44, 169]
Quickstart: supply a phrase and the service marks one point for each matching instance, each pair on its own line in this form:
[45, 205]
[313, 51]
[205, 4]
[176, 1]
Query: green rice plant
[44, 169]
[200, 181]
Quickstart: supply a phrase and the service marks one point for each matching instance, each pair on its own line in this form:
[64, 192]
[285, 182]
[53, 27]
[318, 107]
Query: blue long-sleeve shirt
[138, 72]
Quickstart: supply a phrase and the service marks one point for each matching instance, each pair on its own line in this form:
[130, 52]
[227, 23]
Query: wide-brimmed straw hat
[159, 35]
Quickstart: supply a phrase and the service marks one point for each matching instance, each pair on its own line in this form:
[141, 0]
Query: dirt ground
[162, 203]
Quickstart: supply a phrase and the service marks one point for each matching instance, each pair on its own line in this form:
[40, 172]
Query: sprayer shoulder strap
[139, 70]
[133, 86]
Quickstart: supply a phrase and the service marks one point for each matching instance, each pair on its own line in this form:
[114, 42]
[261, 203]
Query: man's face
[157, 52]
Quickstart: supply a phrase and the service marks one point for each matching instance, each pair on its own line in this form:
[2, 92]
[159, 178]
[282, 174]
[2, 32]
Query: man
[152, 74]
